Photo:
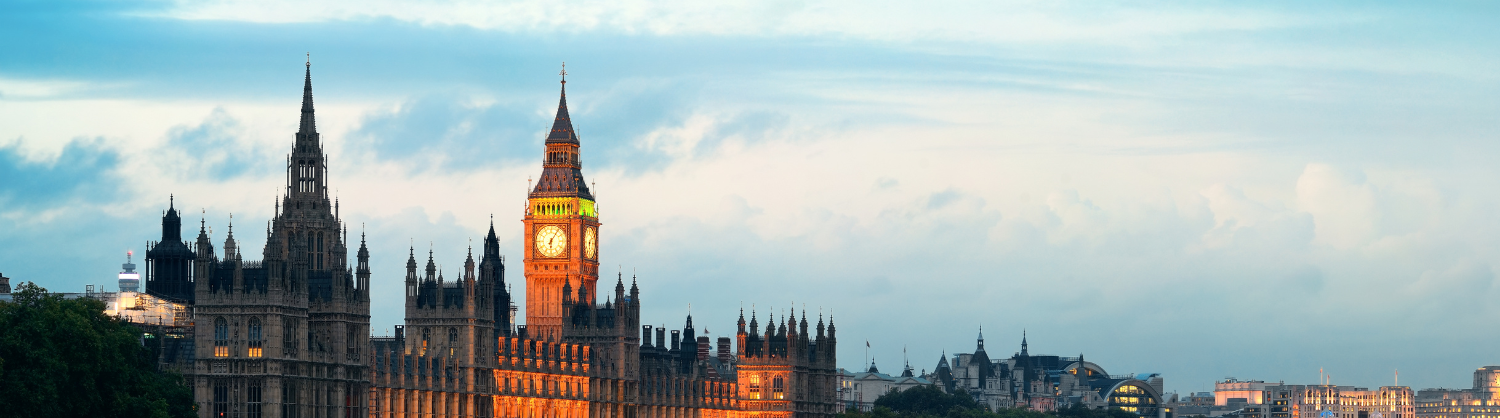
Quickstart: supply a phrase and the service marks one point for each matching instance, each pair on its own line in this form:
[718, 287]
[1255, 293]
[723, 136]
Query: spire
[411, 259]
[431, 266]
[562, 126]
[1023, 342]
[363, 256]
[229, 244]
[308, 128]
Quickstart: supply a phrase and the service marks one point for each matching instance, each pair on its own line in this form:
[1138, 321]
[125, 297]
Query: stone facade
[1046, 382]
[288, 336]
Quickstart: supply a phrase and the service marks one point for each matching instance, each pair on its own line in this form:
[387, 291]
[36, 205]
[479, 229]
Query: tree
[66, 358]
[931, 402]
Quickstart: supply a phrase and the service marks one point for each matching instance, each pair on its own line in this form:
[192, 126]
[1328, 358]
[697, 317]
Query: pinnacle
[562, 125]
[308, 125]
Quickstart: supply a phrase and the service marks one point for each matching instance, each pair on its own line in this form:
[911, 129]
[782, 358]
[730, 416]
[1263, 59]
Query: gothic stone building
[1046, 382]
[288, 336]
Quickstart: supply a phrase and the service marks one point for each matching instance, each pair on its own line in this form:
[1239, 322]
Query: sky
[1199, 189]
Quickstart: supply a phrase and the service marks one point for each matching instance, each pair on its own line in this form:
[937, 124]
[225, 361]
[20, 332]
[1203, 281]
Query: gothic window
[350, 343]
[288, 399]
[754, 386]
[479, 345]
[288, 337]
[252, 398]
[426, 336]
[221, 399]
[221, 337]
[778, 388]
[452, 342]
[255, 337]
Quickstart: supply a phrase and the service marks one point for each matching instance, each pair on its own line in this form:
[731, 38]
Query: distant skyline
[1256, 190]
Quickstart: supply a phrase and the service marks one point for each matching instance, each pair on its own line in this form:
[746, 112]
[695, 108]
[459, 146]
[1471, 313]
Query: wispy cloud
[1161, 186]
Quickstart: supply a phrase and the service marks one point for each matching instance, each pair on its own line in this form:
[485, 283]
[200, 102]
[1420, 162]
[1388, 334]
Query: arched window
[426, 337]
[452, 342]
[778, 388]
[754, 386]
[255, 337]
[351, 343]
[221, 337]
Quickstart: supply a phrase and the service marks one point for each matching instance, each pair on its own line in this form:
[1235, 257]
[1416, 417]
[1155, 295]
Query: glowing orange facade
[578, 356]
[562, 230]
[786, 371]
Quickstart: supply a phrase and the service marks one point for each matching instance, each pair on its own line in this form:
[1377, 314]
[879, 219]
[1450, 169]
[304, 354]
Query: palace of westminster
[289, 335]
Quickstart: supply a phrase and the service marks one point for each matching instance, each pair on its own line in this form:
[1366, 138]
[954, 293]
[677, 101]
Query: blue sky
[1203, 190]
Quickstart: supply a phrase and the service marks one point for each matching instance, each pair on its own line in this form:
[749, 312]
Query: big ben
[562, 230]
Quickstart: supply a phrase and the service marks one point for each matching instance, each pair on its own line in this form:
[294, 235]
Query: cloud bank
[1199, 192]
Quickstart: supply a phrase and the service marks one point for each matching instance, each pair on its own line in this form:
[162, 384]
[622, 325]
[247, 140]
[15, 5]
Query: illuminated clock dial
[590, 243]
[551, 241]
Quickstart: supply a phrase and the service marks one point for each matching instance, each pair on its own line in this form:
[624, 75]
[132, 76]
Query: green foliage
[931, 402]
[66, 358]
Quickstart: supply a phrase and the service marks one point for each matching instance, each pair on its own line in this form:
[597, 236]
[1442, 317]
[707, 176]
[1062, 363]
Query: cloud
[1167, 188]
[887, 20]
[83, 171]
[431, 128]
[215, 150]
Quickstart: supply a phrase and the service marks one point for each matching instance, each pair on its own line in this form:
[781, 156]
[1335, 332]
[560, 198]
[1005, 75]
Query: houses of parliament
[289, 335]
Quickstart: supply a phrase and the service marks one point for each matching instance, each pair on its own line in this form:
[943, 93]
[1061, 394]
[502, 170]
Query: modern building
[1047, 382]
[130, 281]
[288, 336]
[1232, 391]
[1481, 401]
[1259, 399]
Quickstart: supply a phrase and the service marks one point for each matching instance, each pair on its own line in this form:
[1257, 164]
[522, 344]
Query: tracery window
[288, 336]
[351, 343]
[252, 398]
[289, 399]
[778, 388]
[221, 337]
[754, 386]
[221, 399]
[255, 337]
[452, 342]
[426, 336]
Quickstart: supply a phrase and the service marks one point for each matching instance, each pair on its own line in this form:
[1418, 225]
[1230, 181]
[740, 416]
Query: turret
[362, 271]
[469, 279]
[492, 282]
[231, 248]
[635, 293]
[411, 278]
[431, 268]
[620, 287]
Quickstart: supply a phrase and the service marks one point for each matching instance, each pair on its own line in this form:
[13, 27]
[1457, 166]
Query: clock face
[551, 241]
[590, 243]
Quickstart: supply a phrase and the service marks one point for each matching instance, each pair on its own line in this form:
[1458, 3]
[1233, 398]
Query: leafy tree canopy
[931, 402]
[66, 358]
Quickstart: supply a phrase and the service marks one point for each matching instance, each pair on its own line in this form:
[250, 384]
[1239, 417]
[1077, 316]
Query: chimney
[645, 336]
[661, 339]
[676, 340]
[723, 350]
[702, 347]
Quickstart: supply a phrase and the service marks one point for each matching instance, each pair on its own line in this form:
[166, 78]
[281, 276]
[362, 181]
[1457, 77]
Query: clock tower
[562, 231]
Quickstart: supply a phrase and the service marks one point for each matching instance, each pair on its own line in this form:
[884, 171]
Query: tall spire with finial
[562, 125]
[562, 174]
[308, 127]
